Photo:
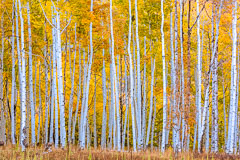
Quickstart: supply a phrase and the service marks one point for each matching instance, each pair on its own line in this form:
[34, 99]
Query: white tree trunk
[118, 139]
[231, 124]
[144, 97]
[139, 96]
[176, 145]
[214, 137]
[182, 74]
[13, 83]
[60, 82]
[51, 100]
[23, 83]
[151, 101]
[126, 103]
[31, 79]
[72, 88]
[54, 83]
[79, 93]
[104, 114]
[94, 115]
[85, 109]
[2, 123]
[199, 77]
[131, 78]
[164, 83]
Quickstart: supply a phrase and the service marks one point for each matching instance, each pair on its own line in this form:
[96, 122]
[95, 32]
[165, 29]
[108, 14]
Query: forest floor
[73, 152]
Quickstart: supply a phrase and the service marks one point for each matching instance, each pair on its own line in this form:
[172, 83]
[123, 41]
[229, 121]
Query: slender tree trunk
[151, 101]
[224, 112]
[231, 124]
[51, 100]
[206, 101]
[131, 78]
[78, 95]
[126, 103]
[85, 110]
[54, 83]
[46, 86]
[60, 82]
[104, 114]
[153, 122]
[13, 82]
[85, 65]
[31, 79]
[104, 89]
[2, 125]
[94, 114]
[139, 118]
[214, 137]
[173, 77]
[144, 96]
[199, 75]
[164, 83]
[182, 75]
[72, 88]
[23, 83]
[118, 139]
[39, 106]
[176, 145]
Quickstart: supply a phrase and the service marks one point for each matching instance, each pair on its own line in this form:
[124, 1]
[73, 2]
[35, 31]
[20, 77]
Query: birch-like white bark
[72, 88]
[94, 114]
[2, 122]
[231, 123]
[206, 100]
[199, 76]
[182, 74]
[131, 78]
[13, 82]
[164, 83]
[60, 81]
[79, 93]
[118, 139]
[23, 83]
[104, 114]
[151, 101]
[54, 83]
[144, 96]
[85, 110]
[126, 103]
[139, 95]
[31, 79]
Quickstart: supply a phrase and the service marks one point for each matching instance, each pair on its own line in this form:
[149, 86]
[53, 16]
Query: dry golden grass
[73, 152]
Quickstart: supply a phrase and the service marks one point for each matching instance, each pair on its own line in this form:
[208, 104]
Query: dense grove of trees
[121, 74]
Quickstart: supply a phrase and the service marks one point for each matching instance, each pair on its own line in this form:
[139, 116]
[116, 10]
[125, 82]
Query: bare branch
[198, 15]
[46, 16]
[67, 24]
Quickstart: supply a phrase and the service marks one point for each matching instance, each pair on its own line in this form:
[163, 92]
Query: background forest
[120, 74]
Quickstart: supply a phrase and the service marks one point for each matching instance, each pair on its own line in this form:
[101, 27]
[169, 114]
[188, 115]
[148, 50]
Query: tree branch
[46, 15]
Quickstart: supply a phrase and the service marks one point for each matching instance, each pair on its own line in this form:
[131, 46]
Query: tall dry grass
[74, 152]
